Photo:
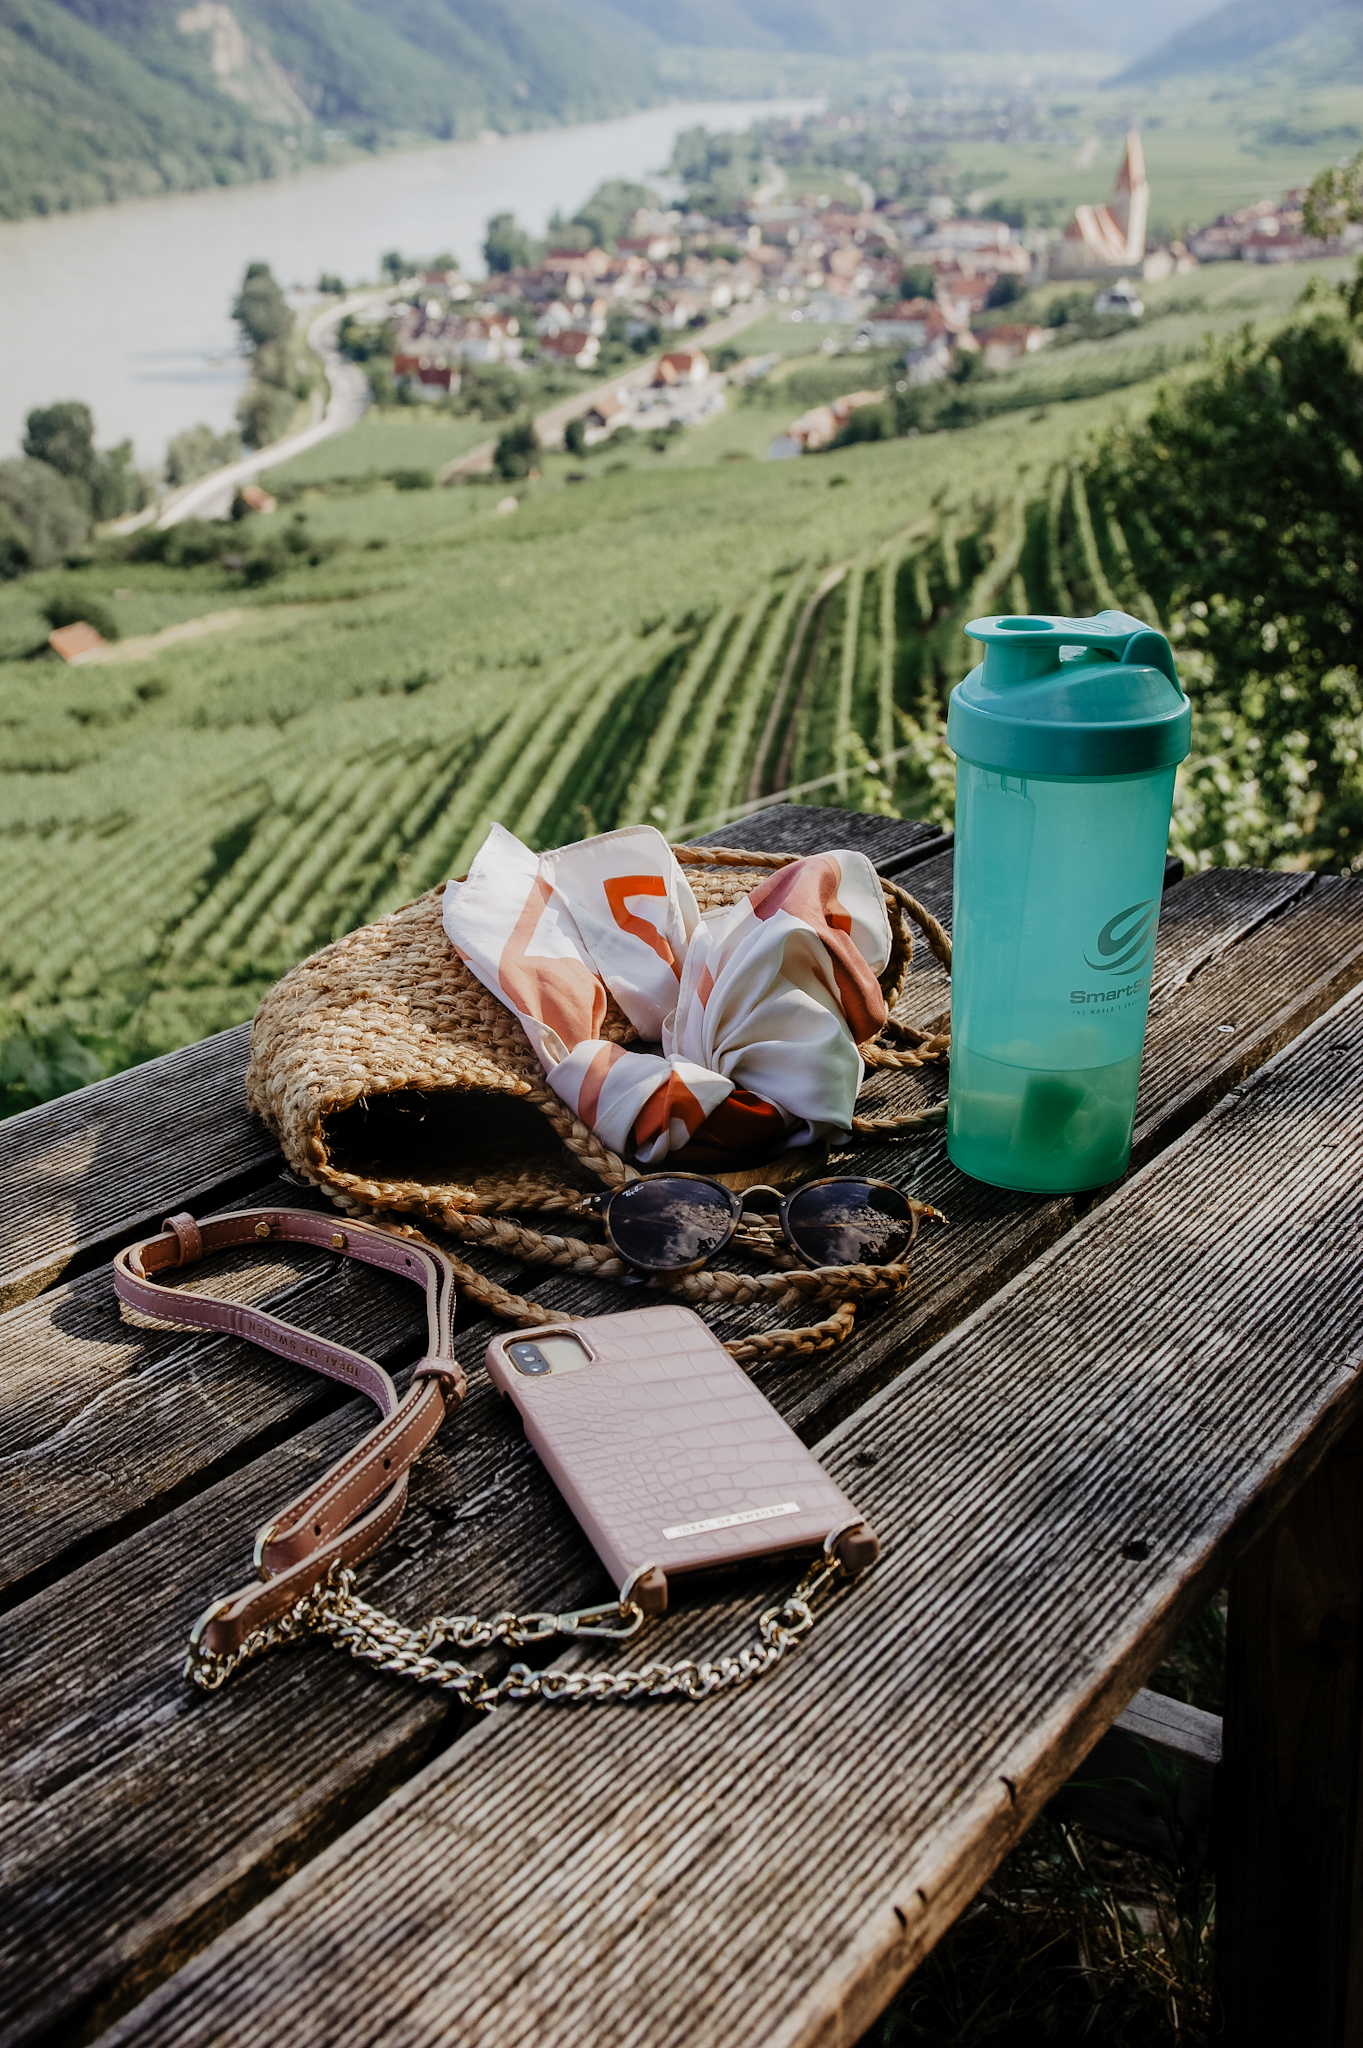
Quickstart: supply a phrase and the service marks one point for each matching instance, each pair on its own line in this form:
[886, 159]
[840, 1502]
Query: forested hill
[850, 28]
[1320, 34]
[108, 99]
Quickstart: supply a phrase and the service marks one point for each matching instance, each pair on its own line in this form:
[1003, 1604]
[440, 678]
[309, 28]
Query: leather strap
[347, 1514]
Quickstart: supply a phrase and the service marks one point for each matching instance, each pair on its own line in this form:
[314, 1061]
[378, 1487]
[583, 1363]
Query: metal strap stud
[338, 1240]
[262, 1230]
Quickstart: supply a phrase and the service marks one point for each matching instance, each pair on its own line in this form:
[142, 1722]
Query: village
[922, 282]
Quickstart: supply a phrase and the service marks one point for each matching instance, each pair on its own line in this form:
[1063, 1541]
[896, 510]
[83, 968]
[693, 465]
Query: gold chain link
[332, 1609]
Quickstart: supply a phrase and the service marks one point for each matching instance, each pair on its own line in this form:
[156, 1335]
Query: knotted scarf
[756, 1010]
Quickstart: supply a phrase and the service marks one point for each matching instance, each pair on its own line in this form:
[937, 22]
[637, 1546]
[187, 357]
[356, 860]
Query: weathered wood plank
[105, 1422]
[85, 1173]
[1057, 1485]
[1245, 961]
[892, 843]
[1289, 1923]
[100, 1423]
[1118, 1791]
[142, 1792]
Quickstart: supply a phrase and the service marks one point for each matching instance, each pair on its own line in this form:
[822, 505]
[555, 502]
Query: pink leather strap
[347, 1514]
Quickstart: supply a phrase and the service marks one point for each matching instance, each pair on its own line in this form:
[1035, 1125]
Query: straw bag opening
[414, 1134]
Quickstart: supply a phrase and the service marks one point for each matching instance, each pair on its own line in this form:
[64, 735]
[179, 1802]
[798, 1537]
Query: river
[127, 306]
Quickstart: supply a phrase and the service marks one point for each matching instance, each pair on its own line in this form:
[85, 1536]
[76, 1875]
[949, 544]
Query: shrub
[44, 519]
[264, 414]
[516, 451]
[69, 604]
[36, 1066]
[198, 451]
[414, 479]
[186, 546]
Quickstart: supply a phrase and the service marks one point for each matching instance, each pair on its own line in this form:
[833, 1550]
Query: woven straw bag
[397, 1084]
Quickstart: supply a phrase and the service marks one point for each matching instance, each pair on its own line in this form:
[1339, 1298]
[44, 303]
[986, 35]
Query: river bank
[127, 306]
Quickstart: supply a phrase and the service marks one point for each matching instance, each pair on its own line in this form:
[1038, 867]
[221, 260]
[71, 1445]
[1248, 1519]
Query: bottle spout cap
[1020, 647]
[1059, 696]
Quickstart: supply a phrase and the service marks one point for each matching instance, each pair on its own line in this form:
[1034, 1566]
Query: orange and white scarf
[758, 1008]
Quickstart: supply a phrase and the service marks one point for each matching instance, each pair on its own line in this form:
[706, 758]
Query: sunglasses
[672, 1222]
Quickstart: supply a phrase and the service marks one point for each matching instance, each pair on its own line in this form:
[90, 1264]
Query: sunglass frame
[603, 1204]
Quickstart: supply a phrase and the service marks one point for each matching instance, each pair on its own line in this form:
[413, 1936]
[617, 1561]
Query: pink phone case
[669, 1456]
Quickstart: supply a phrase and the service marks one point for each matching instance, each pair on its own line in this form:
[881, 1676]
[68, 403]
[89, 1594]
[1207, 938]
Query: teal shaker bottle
[1067, 737]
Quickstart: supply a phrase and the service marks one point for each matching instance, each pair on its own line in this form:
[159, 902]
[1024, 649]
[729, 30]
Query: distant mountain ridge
[110, 99]
[1241, 31]
[847, 28]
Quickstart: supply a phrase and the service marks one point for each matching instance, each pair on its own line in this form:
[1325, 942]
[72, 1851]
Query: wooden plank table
[1082, 1416]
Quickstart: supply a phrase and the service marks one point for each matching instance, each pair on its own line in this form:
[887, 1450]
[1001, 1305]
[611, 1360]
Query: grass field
[672, 637]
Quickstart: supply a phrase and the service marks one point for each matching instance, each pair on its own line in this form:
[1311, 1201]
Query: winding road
[210, 497]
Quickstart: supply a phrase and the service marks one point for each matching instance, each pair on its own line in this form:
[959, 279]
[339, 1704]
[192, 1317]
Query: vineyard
[254, 773]
[836, 675]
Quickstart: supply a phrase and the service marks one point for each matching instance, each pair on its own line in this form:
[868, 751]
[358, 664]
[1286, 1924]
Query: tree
[917, 281]
[516, 451]
[197, 451]
[1005, 290]
[1335, 198]
[260, 308]
[575, 437]
[1243, 498]
[611, 208]
[41, 520]
[394, 264]
[506, 245]
[62, 436]
[14, 557]
[719, 171]
[115, 486]
[264, 414]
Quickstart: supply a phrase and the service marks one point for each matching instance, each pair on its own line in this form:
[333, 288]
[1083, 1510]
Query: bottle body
[1058, 882]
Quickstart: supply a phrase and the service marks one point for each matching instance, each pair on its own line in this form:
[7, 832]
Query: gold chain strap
[332, 1609]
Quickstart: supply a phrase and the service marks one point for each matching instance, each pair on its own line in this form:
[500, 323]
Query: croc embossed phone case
[665, 1451]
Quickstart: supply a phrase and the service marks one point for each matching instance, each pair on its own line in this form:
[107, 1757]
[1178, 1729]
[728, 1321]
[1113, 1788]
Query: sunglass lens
[666, 1224]
[850, 1223]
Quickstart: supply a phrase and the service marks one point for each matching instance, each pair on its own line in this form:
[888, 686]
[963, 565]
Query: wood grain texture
[1057, 1485]
[892, 843]
[105, 1420]
[84, 1174]
[1245, 960]
[144, 1881]
[1289, 1933]
[102, 1423]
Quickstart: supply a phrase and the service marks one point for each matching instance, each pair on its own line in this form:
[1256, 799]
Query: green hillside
[849, 28]
[1241, 31]
[109, 99]
[309, 718]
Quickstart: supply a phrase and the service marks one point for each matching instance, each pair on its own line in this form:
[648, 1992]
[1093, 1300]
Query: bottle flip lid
[1056, 696]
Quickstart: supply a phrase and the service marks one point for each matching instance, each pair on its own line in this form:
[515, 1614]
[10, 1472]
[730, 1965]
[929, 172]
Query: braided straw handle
[788, 1288]
[843, 1285]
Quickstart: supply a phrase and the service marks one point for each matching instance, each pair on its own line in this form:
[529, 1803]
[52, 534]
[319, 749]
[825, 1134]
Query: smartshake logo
[1125, 946]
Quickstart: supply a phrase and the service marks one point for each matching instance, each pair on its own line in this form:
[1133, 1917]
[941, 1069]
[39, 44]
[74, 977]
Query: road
[549, 425]
[210, 497]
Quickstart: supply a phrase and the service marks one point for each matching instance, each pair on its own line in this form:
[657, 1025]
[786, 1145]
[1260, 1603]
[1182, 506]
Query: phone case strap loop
[344, 1517]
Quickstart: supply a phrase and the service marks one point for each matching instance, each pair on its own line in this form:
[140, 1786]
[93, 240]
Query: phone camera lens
[527, 1358]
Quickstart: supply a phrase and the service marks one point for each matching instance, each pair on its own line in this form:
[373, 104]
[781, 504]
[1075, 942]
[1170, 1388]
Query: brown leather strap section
[347, 1514]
